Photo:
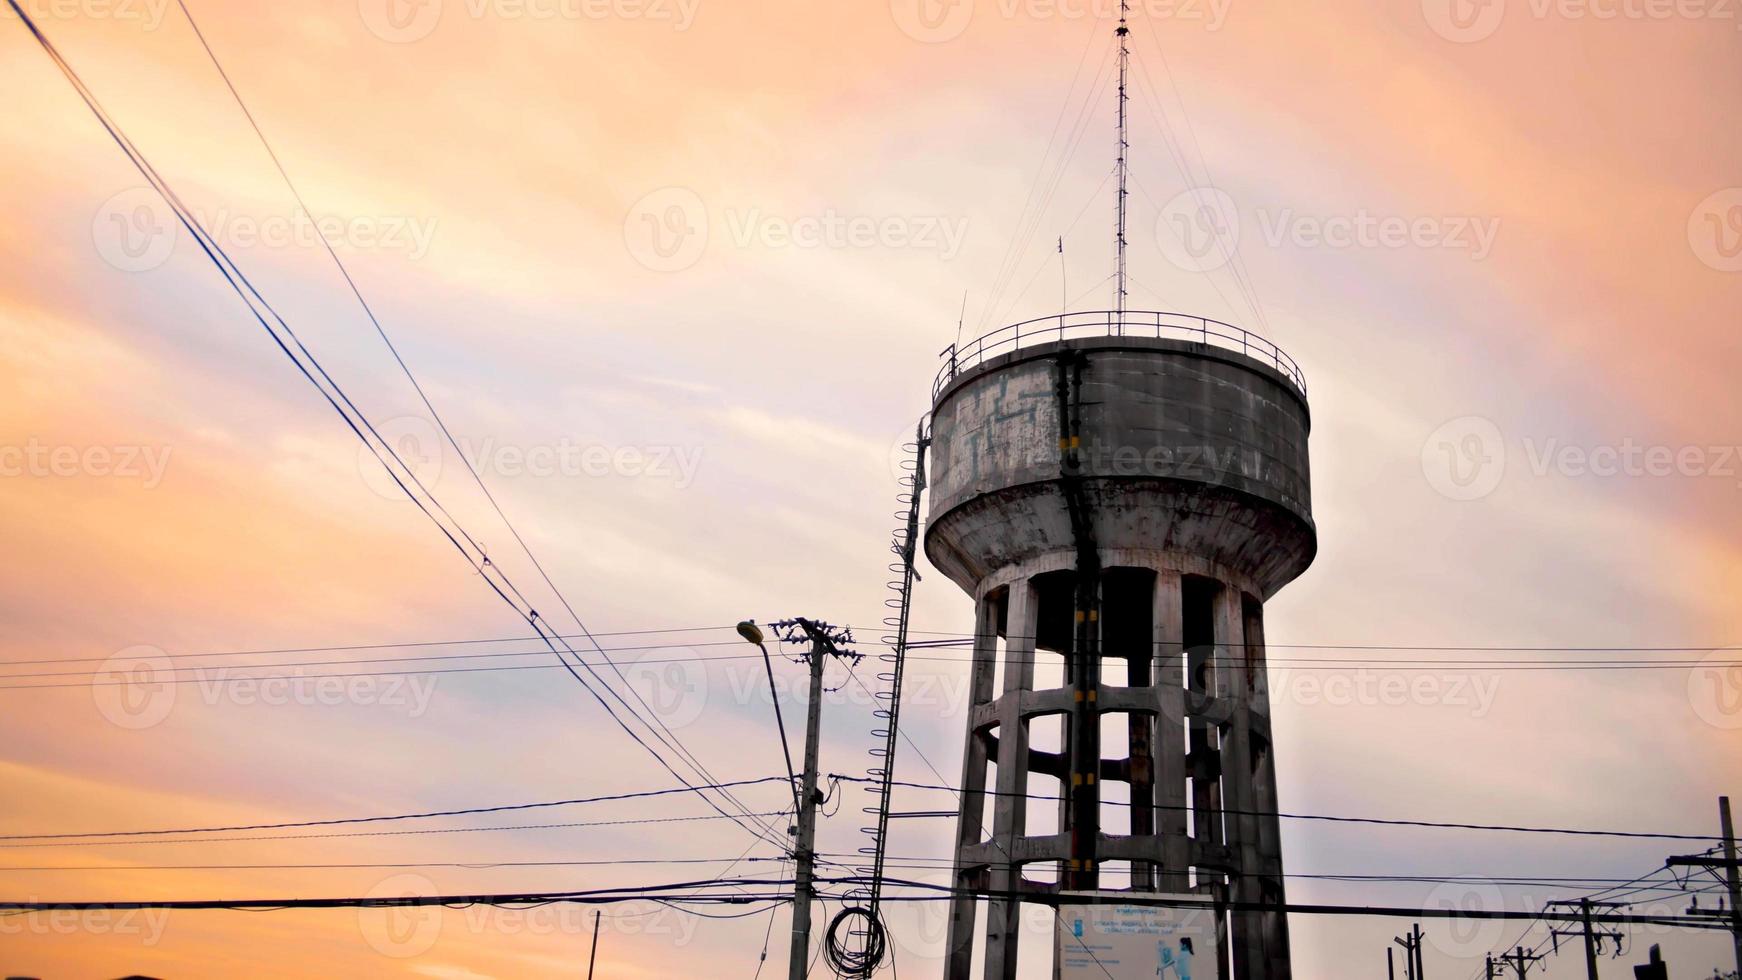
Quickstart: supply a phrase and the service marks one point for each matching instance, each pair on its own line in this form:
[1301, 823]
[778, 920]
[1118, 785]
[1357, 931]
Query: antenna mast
[1123, 33]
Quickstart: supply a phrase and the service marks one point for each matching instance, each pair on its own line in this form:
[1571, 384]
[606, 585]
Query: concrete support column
[1141, 732]
[1234, 687]
[1010, 808]
[970, 817]
[1204, 670]
[1273, 926]
[1167, 674]
[1230, 686]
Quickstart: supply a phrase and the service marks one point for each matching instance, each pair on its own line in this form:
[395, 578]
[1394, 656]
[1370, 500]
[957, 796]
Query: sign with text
[1132, 942]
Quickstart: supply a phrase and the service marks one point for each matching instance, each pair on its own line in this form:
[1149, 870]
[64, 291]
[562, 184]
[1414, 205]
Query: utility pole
[1593, 936]
[1390, 964]
[1411, 952]
[1490, 966]
[1520, 962]
[824, 642]
[1591, 940]
[594, 957]
[1732, 877]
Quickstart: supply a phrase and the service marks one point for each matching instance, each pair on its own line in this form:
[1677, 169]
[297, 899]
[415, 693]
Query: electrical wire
[950, 639]
[309, 366]
[237, 828]
[664, 734]
[1333, 664]
[927, 891]
[352, 662]
[671, 892]
[458, 865]
[395, 833]
[364, 647]
[1329, 818]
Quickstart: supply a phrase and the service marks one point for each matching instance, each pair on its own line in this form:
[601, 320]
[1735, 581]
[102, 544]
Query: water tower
[1120, 492]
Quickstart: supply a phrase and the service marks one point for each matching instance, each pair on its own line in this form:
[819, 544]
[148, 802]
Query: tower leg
[1168, 673]
[1010, 809]
[1274, 925]
[970, 818]
[1234, 687]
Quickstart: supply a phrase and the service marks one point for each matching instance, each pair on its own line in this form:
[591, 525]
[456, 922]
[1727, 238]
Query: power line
[1379, 821]
[940, 863]
[664, 733]
[773, 904]
[668, 892]
[952, 639]
[343, 647]
[405, 833]
[1337, 663]
[946, 892]
[459, 865]
[342, 663]
[227, 680]
[425, 815]
[928, 892]
[309, 366]
[1532, 924]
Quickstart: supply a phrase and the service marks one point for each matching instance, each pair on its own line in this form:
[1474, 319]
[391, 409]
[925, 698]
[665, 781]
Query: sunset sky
[676, 273]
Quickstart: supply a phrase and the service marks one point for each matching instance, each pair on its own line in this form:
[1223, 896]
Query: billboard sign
[1133, 942]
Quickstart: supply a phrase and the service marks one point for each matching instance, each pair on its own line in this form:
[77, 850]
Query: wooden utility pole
[1592, 936]
[805, 852]
[1731, 877]
[823, 639]
[594, 957]
[1411, 952]
[1590, 940]
[1520, 962]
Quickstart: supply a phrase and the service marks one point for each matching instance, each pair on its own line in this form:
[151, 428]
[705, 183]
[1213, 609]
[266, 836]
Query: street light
[753, 633]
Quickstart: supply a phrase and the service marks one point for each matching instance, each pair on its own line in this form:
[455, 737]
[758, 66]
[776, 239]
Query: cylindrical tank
[1120, 495]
